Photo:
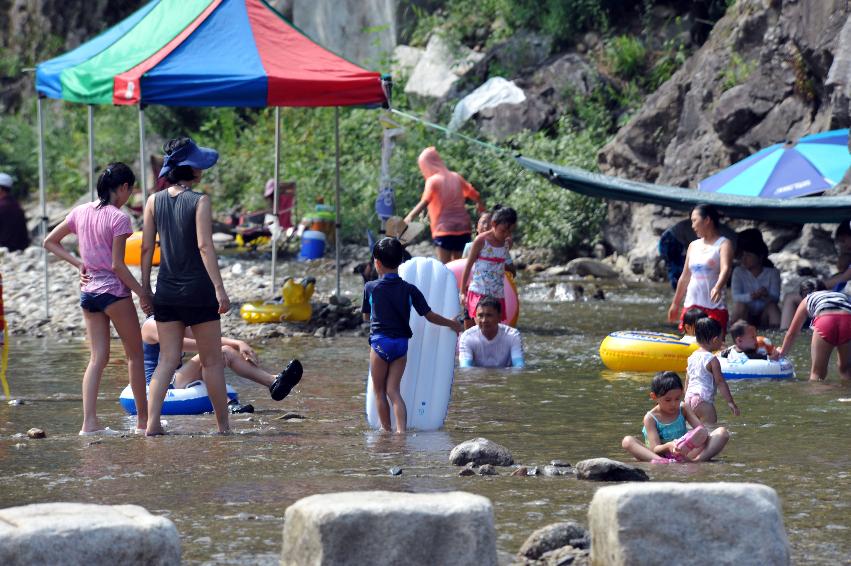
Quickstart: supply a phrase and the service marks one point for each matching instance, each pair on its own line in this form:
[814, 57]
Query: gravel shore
[246, 278]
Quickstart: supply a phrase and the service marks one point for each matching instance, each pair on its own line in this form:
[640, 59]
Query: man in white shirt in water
[489, 343]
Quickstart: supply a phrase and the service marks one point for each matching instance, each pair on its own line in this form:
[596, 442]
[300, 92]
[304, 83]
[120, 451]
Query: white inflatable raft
[743, 368]
[192, 400]
[427, 381]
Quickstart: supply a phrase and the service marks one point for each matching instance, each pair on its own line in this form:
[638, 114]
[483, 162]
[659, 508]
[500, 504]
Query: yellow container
[628, 350]
[133, 250]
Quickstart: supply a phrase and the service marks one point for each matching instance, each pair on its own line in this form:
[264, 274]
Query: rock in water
[36, 433]
[552, 537]
[395, 471]
[553, 471]
[604, 469]
[584, 266]
[487, 470]
[81, 533]
[731, 523]
[450, 529]
[480, 451]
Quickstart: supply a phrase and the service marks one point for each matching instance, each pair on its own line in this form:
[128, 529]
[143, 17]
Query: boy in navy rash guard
[387, 306]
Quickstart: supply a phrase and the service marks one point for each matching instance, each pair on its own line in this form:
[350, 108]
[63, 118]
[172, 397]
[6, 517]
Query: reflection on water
[227, 495]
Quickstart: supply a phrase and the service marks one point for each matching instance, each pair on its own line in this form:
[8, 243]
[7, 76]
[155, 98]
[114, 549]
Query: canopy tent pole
[337, 223]
[43, 202]
[275, 196]
[142, 173]
[91, 120]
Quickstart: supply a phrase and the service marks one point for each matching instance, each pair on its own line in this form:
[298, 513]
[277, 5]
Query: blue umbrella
[785, 170]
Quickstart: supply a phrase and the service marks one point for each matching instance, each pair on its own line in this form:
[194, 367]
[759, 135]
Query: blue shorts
[97, 302]
[389, 349]
[454, 243]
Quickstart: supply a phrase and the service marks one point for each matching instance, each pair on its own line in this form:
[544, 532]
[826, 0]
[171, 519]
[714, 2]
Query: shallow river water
[227, 495]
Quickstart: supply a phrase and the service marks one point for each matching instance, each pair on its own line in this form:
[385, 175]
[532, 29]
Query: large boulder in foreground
[82, 533]
[383, 527]
[480, 451]
[604, 469]
[701, 523]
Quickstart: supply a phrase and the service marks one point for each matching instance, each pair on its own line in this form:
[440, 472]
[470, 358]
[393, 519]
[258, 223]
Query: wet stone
[560, 464]
[551, 537]
[488, 470]
[480, 451]
[604, 469]
[395, 471]
[520, 471]
[290, 416]
[36, 433]
[467, 472]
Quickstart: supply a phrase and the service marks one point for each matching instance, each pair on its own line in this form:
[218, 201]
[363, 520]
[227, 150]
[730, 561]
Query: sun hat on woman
[190, 155]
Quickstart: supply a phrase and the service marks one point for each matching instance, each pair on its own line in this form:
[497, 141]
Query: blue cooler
[312, 244]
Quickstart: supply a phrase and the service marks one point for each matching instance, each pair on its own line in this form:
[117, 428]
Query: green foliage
[549, 216]
[564, 20]
[489, 21]
[671, 58]
[737, 72]
[626, 56]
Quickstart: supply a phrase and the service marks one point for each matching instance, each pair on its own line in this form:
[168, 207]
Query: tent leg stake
[43, 201]
[142, 167]
[337, 223]
[275, 232]
[91, 122]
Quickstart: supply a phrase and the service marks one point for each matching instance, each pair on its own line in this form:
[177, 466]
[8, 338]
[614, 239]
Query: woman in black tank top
[189, 290]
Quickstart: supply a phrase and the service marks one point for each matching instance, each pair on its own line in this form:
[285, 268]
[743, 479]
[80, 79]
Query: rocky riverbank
[246, 278]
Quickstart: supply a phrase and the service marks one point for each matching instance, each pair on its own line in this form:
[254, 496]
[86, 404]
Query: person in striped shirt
[830, 312]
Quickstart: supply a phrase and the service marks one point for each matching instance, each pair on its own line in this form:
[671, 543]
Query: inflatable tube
[628, 350]
[756, 369]
[427, 381]
[133, 250]
[512, 300]
[190, 401]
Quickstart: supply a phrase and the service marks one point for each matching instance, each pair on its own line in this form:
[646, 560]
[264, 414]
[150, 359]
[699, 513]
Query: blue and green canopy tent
[800, 210]
[205, 53]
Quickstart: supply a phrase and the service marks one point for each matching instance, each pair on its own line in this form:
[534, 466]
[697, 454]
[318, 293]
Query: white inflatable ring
[756, 369]
[192, 400]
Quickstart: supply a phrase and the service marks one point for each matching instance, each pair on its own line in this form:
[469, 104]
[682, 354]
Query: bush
[626, 56]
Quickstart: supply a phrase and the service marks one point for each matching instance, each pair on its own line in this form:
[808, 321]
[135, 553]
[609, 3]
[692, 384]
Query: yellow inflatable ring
[628, 350]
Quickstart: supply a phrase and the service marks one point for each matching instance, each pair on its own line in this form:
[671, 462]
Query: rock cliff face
[771, 70]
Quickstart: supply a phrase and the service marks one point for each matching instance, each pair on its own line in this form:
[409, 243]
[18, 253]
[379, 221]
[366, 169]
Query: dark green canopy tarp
[798, 210]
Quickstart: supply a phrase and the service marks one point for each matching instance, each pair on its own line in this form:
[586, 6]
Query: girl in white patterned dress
[486, 262]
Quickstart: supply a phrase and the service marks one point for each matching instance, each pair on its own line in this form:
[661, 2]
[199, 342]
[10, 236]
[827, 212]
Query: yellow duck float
[295, 307]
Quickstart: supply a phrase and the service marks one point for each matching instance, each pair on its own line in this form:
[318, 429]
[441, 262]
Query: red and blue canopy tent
[205, 53]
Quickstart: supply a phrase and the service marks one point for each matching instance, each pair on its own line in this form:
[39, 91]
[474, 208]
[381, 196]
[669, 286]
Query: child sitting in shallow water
[666, 437]
[746, 345]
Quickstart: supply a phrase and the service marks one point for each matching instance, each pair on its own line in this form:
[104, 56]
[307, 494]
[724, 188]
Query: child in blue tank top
[387, 306]
[666, 437]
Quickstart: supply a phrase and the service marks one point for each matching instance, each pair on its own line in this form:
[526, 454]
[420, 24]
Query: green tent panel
[799, 210]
